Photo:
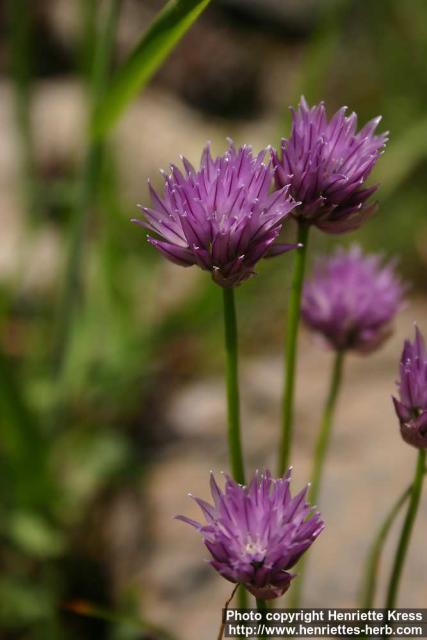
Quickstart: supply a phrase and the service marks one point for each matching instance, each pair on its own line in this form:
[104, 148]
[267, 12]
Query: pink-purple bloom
[411, 409]
[256, 533]
[327, 163]
[351, 299]
[221, 217]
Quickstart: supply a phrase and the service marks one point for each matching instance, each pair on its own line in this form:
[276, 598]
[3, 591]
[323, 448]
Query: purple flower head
[351, 300]
[221, 217]
[412, 407]
[255, 534]
[327, 164]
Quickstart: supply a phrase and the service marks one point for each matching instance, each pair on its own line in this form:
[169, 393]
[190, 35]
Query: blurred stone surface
[58, 121]
[288, 15]
[159, 127]
[54, 104]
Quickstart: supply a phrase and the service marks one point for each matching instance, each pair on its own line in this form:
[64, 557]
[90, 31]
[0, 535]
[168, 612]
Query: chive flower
[221, 217]
[256, 533]
[411, 408]
[326, 164]
[351, 300]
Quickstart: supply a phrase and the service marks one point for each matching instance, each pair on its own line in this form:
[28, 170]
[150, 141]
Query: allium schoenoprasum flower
[256, 533]
[327, 163]
[411, 409]
[221, 217]
[351, 299]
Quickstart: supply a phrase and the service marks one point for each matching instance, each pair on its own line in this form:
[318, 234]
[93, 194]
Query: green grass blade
[163, 34]
[23, 446]
[20, 18]
[72, 288]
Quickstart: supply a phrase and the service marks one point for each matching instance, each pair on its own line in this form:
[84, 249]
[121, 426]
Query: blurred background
[112, 404]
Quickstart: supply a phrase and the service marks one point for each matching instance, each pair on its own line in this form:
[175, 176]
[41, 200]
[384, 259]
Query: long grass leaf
[164, 33]
[72, 288]
[22, 441]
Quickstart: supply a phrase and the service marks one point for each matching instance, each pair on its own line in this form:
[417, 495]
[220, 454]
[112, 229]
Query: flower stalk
[374, 557]
[232, 383]
[373, 561]
[405, 535]
[324, 436]
[261, 606]
[233, 404]
[320, 454]
[291, 347]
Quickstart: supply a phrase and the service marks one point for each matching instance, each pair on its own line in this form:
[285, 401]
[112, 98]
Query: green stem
[72, 288]
[233, 402]
[373, 561]
[405, 536]
[88, 16]
[242, 597]
[320, 453]
[291, 348]
[323, 439]
[261, 606]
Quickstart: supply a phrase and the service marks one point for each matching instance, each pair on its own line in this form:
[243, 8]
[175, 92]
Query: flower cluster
[255, 534]
[221, 217]
[227, 214]
[411, 409]
[327, 163]
[352, 299]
